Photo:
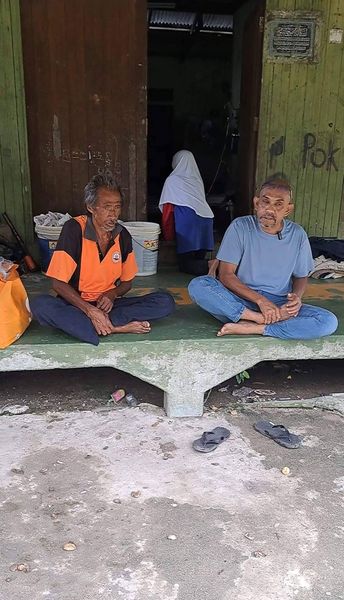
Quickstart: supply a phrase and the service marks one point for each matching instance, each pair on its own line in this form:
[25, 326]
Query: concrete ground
[151, 519]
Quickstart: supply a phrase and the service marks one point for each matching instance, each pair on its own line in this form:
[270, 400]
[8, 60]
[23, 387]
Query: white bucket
[46, 232]
[145, 245]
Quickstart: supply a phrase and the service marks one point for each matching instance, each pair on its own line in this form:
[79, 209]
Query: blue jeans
[311, 322]
[56, 312]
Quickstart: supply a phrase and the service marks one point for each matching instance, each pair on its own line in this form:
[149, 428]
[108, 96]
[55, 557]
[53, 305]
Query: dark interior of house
[194, 84]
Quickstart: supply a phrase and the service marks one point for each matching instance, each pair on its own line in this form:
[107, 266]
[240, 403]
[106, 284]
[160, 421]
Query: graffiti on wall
[276, 149]
[315, 153]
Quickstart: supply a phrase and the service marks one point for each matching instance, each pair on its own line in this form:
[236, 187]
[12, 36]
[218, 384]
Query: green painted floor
[188, 322]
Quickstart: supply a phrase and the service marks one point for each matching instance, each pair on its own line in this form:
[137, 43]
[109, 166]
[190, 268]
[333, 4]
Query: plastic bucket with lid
[145, 237]
[47, 240]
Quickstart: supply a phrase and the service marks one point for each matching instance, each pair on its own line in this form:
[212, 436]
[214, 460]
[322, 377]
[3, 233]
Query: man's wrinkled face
[107, 210]
[272, 206]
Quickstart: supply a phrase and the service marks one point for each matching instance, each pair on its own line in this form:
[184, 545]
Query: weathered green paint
[15, 193]
[300, 98]
[181, 355]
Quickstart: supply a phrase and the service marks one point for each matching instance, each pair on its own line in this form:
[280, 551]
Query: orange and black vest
[79, 261]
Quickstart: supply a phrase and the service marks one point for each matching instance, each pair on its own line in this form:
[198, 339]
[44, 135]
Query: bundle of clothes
[328, 257]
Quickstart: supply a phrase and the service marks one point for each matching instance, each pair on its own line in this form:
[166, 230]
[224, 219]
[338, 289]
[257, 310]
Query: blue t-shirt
[266, 262]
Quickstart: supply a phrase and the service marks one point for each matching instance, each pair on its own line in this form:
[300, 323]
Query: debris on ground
[14, 409]
[117, 395]
[333, 402]
[131, 401]
[258, 554]
[22, 567]
[17, 470]
[172, 537]
[135, 494]
[207, 396]
[285, 471]
[244, 393]
[69, 547]
[121, 395]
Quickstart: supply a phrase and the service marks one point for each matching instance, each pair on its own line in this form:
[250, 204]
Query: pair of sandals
[278, 433]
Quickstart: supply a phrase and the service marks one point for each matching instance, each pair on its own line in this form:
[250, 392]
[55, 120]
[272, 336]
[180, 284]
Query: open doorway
[204, 72]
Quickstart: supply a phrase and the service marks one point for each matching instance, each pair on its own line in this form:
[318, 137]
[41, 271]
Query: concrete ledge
[183, 369]
[182, 355]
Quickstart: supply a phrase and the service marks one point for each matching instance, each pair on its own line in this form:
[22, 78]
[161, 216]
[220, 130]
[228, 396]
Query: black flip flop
[279, 434]
[211, 439]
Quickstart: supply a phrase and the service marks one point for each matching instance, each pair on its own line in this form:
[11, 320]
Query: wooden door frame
[249, 134]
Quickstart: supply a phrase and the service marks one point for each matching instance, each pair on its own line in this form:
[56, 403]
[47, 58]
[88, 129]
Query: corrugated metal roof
[171, 19]
[218, 22]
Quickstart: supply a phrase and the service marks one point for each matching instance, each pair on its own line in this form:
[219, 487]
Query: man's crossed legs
[242, 317]
[129, 315]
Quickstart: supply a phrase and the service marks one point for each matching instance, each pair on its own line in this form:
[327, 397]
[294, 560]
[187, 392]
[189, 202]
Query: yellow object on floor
[14, 308]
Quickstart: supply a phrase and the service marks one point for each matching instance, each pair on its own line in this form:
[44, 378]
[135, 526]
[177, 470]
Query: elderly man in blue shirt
[264, 262]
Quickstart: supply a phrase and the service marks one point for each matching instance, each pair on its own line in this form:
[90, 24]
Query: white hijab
[184, 187]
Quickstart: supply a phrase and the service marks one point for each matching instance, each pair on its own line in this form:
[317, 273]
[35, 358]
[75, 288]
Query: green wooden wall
[15, 194]
[302, 105]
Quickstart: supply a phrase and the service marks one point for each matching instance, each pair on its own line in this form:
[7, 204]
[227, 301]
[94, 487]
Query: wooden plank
[120, 127]
[323, 175]
[293, 132]
[9, 142]
[58, 116]
[251, 77]
[264, 119]
[302, 99]
[86, 97]
[3, 108]
[77, 95]
[335, 192]
[92, 40]
[141, 108]
[312, 110]
[31, 99]
[41, 148]
[15, 196]
[24, 174]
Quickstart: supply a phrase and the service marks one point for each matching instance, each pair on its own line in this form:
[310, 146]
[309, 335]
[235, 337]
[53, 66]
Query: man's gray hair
[103, 180]
[278, 182]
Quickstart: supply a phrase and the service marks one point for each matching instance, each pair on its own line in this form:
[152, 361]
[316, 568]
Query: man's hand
[293, 305]
[100, 320]
[104, 303]
[269, 310]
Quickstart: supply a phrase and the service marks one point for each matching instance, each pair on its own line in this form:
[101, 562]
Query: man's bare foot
[252, 315]
[284, 313]
[133, 327]
[241, 328]
[213, 266]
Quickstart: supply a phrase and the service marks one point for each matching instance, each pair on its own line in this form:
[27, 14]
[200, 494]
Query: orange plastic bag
[14, 307]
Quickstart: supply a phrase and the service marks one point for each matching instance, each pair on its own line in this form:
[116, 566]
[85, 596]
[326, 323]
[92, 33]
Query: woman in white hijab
[186, 215]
